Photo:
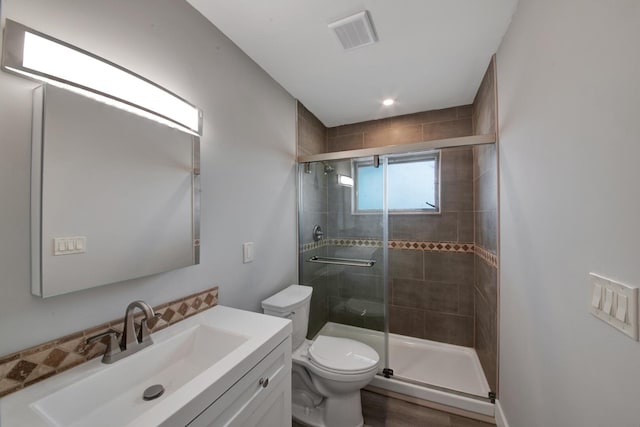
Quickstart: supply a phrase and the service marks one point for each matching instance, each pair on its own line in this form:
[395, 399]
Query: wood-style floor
[382, 411]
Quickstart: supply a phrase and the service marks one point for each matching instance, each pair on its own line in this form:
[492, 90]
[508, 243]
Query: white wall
[248, 161]
[569, 111]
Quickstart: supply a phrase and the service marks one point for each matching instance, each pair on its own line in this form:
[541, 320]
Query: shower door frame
[383, 153]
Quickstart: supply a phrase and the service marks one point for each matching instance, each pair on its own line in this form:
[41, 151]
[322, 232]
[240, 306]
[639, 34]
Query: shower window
[412, 180]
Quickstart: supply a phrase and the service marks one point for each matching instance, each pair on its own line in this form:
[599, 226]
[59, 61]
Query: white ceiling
[431, 53]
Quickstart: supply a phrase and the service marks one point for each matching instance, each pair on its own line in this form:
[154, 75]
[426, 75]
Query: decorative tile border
[487, 256]
[361, 243]
[313, 245]
[432, 246]
[21, 369]
[393, 244]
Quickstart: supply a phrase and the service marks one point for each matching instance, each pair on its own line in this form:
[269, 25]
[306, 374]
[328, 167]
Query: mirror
[115, 196]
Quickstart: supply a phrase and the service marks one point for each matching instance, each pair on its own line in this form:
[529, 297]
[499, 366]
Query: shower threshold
[442, 373]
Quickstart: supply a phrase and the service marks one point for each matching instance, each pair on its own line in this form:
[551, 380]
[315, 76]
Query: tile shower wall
[313, 212]
[428, 298]
[355, 294]
[485, 184]
[312, 134]
[427, 125]
[312, 139]
[431, 288]
[431, 292]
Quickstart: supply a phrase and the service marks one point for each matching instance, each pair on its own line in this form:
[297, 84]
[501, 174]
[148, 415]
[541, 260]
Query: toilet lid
[342, 355]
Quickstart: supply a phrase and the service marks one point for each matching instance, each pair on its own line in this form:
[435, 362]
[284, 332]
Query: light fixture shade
[30, 53]
[345, 180]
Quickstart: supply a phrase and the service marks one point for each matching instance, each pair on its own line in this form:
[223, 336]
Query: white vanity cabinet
[262, 397]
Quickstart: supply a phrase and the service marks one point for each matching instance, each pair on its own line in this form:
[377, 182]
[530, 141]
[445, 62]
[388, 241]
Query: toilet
[328, 372]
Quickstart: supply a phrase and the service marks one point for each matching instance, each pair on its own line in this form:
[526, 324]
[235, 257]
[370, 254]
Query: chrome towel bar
[343, 261]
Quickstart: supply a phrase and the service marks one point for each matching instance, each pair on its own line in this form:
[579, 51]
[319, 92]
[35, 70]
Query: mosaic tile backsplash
[29, 366]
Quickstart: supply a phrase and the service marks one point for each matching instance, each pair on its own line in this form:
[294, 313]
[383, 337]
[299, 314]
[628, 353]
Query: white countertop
[263, 333]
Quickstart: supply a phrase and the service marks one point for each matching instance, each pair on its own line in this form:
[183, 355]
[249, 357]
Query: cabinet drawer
[245, 396]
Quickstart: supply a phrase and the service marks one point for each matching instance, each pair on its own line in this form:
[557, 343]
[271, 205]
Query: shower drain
[153, 392]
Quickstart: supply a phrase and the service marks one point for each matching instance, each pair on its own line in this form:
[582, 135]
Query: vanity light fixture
[388, 102]
[30, 53]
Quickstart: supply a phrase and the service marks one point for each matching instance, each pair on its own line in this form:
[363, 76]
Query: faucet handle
[113, 347]
[144, 334]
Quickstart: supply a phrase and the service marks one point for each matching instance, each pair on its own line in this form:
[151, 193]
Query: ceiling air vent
[354, 31]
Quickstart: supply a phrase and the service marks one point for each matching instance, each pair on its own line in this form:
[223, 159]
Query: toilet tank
[292, 303]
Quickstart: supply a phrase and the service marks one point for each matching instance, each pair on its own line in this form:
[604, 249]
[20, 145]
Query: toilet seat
[342, 355]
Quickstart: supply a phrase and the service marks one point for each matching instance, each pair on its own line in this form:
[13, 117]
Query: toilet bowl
[328, 372]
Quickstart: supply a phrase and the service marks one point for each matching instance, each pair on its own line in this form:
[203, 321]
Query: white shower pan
[441, 373]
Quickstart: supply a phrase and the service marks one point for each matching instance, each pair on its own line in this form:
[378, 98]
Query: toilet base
[339, 411]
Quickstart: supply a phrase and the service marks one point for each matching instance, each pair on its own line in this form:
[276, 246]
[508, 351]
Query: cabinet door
[275, 411]
[251, 395]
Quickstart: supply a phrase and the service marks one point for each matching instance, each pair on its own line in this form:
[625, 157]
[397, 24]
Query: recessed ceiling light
[388, 102]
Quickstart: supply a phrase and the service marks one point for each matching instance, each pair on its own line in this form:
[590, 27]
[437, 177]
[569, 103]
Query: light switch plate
[69, 245]
[247, 252]
[608, 308]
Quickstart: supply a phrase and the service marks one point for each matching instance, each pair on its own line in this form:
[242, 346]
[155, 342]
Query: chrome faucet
[129, 339]
[130, 342]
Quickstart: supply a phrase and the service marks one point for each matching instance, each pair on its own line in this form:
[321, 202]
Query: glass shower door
[343, 240]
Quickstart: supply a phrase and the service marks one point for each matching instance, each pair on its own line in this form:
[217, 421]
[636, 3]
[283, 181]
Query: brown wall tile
[465, 111]
[484, 158]
[485, 220]
[361, 285]
[449, 328]
[486, 224]
[465, 227]
[405, 264]
[441, 297]
[393, 135]
[422, 117]
[361, 127]
[312, 134]
[486, 281]
[448, 267]
[484, 105]
[311, 139]
[347, 142]
[456, 164]
[450, 129]
[438, 228]
[486, 339]
[406, 321]
[457, 196]
[436, 124]
[466, 303]
[486, 187]
[318, 309]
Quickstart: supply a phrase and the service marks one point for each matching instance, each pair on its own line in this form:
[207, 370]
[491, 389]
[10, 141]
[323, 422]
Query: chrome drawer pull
[264, 382]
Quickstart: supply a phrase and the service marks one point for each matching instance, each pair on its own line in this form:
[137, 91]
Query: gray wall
[569, 103]
[248, 157]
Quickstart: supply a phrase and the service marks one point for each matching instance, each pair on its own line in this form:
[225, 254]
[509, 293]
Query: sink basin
[113, 395]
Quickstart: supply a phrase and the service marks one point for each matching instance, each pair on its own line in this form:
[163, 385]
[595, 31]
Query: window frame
[395, 159]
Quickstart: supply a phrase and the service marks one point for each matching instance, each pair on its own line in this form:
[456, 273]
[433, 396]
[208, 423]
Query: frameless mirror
[115, 196]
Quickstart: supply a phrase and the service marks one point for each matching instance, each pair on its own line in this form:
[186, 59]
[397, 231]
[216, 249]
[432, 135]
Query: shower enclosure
[389, 244]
